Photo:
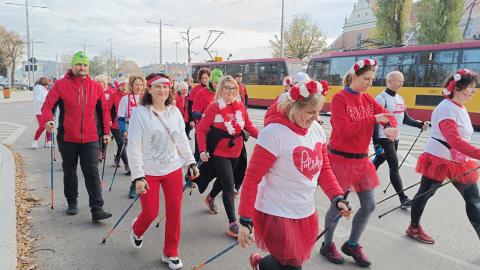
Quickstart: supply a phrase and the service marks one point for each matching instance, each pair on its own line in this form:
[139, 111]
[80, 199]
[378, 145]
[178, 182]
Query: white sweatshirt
[151, 151]
[39, 95]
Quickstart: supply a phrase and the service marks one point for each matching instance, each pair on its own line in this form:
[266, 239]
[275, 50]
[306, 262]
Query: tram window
[393, 59]
[409, 74]
[445, 70]
[338, 68]
[268, 73]
[473, 66]
[379, 79]
[320, 70]
[427, 58]
[378, 58]
[428, 76]
[250, 71]
[446, 56]
[232, 69]
[426, 100]
[409, 59]
[471, 56]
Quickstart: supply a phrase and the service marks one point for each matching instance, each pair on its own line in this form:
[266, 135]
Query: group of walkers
[291, 157]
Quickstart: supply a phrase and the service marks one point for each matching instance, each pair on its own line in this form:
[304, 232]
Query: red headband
[363, 63]
[304, 90]
[159, 80]
[453, 83]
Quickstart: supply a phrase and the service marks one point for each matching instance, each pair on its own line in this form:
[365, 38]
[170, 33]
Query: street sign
[30, 68]
[162, 68]
[33, 60]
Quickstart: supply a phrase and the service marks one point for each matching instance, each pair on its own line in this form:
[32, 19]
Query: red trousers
[41, 128]
[172, 185]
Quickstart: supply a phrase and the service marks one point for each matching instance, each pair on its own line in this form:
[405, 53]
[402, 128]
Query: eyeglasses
[230, 88]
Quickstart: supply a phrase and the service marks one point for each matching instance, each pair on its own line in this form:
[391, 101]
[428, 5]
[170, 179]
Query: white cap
[301, 77]
[182, 85]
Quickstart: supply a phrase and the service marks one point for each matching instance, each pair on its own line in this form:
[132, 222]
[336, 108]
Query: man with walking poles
[81, 101]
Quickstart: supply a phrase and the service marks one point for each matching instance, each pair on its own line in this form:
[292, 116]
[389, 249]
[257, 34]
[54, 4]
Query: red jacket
[222, 149]
[242, 90]
[203, 98]
[353, 119]
[181, 103]
[113, 102]
[81, 102]
[194, 92]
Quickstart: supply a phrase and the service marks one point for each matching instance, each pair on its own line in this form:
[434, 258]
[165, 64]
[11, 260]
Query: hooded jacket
[81, 102]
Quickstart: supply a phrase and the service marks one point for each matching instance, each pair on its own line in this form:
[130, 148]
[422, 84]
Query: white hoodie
[39, 95]
[151, 150]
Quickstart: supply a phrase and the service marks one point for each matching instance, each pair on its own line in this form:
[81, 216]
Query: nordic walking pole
[393, 195]
[51, 171]
[104, 240]
[433, 190]
[337, 218]
[104, 153]
[116, 167]
[188, 184]
[202, 264]
[411, 147]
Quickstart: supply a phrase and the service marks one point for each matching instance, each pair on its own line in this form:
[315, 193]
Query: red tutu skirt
[439, 169]
[360, 174]
[289, 241]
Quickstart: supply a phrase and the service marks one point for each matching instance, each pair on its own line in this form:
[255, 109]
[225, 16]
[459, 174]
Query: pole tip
[104, 241]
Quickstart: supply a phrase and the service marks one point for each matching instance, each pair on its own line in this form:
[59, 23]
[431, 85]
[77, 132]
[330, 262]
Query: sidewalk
[17, 96]
[8, 240]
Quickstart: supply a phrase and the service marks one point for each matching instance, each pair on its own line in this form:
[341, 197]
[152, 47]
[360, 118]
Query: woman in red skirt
[278, 197]
[354, 115]
[447, 153]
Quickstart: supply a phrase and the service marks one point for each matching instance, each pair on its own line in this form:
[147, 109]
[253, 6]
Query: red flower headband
[287, 81]
[453, 83]
[304, 90]
[159, 80]
[362, 63]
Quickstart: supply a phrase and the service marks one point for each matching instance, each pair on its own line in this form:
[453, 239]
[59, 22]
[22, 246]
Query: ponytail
[347, 79]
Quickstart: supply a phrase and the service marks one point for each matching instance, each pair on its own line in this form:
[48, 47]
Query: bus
[424, 67]
[262, 77]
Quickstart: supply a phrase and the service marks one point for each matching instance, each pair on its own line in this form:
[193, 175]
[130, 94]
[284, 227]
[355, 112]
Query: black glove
[247, 222]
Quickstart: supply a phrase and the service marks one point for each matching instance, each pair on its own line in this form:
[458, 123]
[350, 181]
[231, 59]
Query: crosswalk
[9, 132]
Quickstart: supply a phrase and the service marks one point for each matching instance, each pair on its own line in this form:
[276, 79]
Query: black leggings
[390, 155]
[224, 168]
[469, 193]
[117, 134]
[269, 263]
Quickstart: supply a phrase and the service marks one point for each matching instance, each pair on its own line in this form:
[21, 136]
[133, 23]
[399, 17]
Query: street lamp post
[32, 67]
[282, 52]
[176, 51]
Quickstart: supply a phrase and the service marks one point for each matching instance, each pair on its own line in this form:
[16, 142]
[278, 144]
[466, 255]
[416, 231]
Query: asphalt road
[73, 242]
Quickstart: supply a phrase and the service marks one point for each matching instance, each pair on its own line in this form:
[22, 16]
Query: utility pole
[27, 6]
[189, 42]
[111, 58]
[282, 52]
[176, 51]
[34, 62]
[160, 60]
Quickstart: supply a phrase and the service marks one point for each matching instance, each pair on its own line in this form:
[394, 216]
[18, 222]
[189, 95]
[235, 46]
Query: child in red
[448, 152]
[278, 198]
[354, 115]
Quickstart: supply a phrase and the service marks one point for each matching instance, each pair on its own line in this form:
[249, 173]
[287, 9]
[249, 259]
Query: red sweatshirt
[449, 130]
[194, 92]
[113, 102]
[181, 103]
[353, 120]
[79, 99]
[211, 118]
[203, 98]
[262, 162]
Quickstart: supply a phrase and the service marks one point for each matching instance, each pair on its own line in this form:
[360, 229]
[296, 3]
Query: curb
[8, 237]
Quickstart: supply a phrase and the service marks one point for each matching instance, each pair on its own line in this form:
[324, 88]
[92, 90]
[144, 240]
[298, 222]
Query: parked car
[19, 84]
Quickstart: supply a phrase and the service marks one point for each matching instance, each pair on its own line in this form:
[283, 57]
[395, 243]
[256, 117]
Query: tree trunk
[12, 73]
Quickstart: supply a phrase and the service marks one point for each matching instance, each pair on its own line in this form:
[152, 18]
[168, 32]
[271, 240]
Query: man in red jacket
[80, 100]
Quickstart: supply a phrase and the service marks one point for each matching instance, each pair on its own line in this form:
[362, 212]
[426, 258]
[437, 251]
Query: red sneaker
[419, 235]
[331, 253]
[357, 253]
[255, 260]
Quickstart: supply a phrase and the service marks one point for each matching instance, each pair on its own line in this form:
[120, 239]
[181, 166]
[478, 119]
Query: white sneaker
[173, 262]
[136, 242]
[35, 144]
[48, 144]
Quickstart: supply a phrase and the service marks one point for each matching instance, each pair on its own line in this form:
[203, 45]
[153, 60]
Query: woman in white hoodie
[39, 94]
[157, 150]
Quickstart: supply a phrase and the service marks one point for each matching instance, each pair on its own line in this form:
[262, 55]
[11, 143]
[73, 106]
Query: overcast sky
[248, 25]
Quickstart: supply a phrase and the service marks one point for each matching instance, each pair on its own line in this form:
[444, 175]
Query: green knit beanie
[216, 75]
[80, 58]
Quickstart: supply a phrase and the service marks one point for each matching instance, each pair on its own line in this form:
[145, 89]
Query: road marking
[9, 132]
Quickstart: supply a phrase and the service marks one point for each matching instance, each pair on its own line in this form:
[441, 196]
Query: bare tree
[189, 41]
[471, 6]
[13, 45]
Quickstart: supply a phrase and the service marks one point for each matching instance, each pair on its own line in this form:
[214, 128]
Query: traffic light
[30, 68]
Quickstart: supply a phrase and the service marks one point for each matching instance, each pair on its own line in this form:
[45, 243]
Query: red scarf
[232, 116]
